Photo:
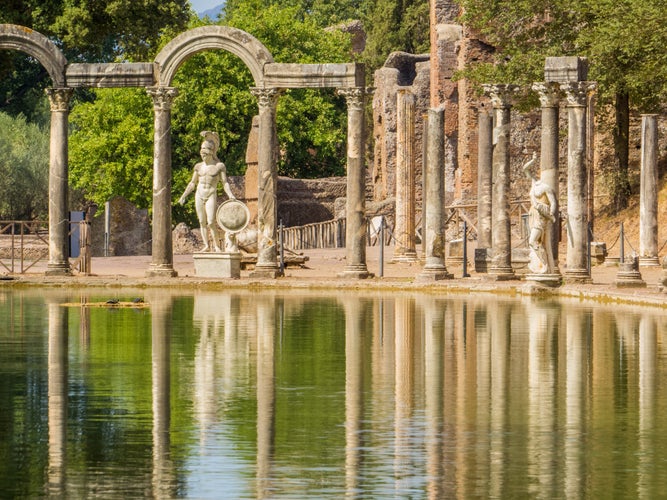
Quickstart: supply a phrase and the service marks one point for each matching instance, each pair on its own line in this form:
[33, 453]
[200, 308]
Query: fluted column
[355, 232]
[162, 260]
[267, 204]
[501, 263]
[577, 182]
[404, 232]
[549, 94]
[58, 265]
[434, 192]
[648, 197]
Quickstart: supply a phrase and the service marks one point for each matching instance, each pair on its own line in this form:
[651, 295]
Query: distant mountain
[212, 13]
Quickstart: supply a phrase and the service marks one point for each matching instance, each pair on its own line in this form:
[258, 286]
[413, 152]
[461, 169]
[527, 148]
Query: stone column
[434, 175]
[267, 204]
[58, 186]
[162, 260]
[355, 232]
[549, 93]
[404, 232]
[484, 190]
[648, 198]
[577, 182]
[501, 263]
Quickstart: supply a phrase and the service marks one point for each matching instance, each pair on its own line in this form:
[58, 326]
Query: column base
[408, 257]
[433, 273]
[577, 277]
[62, 269]
[550, 280]
[356, 272]
[629, 277]
[266, 272]
[502, 274]
[649, 262]
[161, 271]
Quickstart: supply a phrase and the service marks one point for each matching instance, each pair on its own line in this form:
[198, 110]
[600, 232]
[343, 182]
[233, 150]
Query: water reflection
[299, 396]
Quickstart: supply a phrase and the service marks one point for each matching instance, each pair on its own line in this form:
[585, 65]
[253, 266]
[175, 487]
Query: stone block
[566, 69]
[217, 265]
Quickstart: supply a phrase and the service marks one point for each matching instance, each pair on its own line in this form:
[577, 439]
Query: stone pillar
[501, 263]
[484, 179]
[549, 93]
[58, 186]
[648, 198]
[404, 232]
[577, 182]
[434, 235]
[267, 204]
[355, 233]
[162, 260]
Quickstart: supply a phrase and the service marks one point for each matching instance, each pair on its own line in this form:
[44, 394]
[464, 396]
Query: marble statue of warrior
[205, 178]
[542, 214]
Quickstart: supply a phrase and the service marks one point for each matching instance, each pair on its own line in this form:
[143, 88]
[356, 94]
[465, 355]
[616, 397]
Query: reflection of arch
[35, 44]
[241, 44]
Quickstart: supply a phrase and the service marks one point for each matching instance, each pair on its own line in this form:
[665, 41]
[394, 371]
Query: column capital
[576, 93]
[548, 92]
[163, 97]
[355, 97]
[59, 98]
[267, 97]
[500, 94]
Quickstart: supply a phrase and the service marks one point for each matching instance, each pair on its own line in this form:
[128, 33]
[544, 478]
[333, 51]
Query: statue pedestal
[545, 279]
[217, 265]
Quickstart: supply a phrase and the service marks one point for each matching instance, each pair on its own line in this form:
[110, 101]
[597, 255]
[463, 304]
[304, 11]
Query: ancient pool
[308, 395]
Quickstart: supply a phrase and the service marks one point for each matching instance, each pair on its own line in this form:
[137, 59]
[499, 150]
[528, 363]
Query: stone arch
[14, 37]
[250, 50]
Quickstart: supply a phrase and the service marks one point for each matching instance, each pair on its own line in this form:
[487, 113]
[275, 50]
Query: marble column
[162, 260]
[577, 270]
[549, 94]
[355, 231]
[434, 192]
[267, 201]
[648, 197]
[404, 232]
[58, 264]
[501, 232]
[484, 179]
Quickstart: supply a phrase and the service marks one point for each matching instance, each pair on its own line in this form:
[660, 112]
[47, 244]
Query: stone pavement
[322, 270]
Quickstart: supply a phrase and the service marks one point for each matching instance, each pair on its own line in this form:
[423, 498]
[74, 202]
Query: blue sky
[202, 5]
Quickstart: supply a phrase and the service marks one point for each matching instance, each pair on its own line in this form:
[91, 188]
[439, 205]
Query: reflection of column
[266, 395]
[267, 205]
[541, 397]
[57, 386]
[162, 260]
[501, 263]
[58, 185]
[484, 180]
[500, 339]
[354, 387]
[163, 476]
[484, 319]
[404, 384]
[648, 347]
[405, 248]
[576, 332]
[355, 232]
[434, 192]
[577, 182]
[648, 199]
[433, 367]
[549, 94]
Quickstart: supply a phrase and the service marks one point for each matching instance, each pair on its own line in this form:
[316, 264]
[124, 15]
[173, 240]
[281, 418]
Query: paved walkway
[322, 270]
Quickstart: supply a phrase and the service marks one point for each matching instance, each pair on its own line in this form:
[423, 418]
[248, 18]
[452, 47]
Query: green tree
[623, 39]
[24, 169]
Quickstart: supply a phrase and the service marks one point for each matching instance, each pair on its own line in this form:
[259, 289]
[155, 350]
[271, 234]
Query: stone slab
[217, 265]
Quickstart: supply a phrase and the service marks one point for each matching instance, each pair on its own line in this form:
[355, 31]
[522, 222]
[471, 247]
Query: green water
[300, 395]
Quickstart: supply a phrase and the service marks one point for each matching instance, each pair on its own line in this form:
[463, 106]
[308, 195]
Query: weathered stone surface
[566, 69]
[129, 231]
[111, 75]
[357, 33]
[288, 75]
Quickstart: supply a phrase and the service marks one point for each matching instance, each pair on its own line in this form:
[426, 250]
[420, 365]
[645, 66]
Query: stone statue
[542, 214]
[207, 174]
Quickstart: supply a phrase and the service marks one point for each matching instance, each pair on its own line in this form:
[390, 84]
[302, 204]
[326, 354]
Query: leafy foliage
[24, 169]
